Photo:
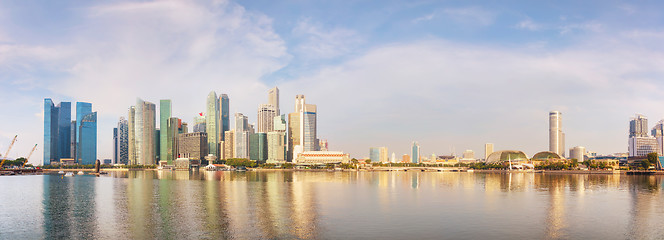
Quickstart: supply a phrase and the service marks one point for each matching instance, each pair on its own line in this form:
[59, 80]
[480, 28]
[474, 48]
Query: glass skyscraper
[145, 133]
[87, 147]
[120, 142]
[416, 153]
[164, 140]
[57, 131]
[225, 123]
[212, 123]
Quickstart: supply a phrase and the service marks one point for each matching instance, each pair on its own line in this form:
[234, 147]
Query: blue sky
[448, 74]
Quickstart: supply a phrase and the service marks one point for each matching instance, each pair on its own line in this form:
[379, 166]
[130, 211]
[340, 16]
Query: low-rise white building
[321, 158]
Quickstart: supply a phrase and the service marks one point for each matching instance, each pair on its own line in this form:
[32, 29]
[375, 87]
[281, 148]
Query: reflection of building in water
[58, 200]
[644, 192]
[414, 180]
[304, 210]
[555, 218]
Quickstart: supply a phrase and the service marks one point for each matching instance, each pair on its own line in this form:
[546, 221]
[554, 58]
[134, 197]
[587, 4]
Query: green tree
[645, 163]
[367, 161]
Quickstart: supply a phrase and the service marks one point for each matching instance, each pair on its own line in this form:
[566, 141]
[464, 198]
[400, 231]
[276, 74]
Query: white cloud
[528, 24]
[591, 26]
[153, 50]
[446, 94]
[471, 15]
[319, 42]
[424, 18]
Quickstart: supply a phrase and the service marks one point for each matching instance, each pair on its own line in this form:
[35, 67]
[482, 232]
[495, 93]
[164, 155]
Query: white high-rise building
[640, 142]
[556, 135]
[212, 123]
[266, 114]
[273, 98]
[302, 128]
[242, 129]
[145, 139]
[394, 157]
[488, 149]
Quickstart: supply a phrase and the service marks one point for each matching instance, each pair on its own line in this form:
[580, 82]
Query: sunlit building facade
[146, 136]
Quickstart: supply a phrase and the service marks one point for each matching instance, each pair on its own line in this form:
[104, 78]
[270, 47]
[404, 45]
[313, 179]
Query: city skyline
[471, 73]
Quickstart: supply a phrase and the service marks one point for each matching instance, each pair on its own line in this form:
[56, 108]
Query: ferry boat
[69, 174]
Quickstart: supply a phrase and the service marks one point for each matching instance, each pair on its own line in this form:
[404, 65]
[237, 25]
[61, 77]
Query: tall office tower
[199, 123]
[120, 140]
[131, 136]
[273, 98]
[658, 133]
[638, 126]
[82, 109]
[72, 139]
[174, 128]
[302, 128]
[145, 133]
[242, 130]
[184, 127]
[394, 158]
[165, 136]
[415, 157]
[556, 135]
[212, 123]
[488, 149]
[224, 121]
[266, 114]
[577, 153]
[192, 145]
[57, 131]
[276, 141]
[229, 144]
[157, 147]
[87, 147]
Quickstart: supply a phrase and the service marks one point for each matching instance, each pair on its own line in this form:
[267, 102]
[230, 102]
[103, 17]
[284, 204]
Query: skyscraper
[276, 141]
[394, 157]
[57, 131]
[145, 133]
[131, 135]
[242, 130]
[120, 142]
[658, 133]
[87, 146]
[229, 144]
[640, 143]
[638, 126]
[199, 124]
[273, 98]
[266, 114]
[302, 128]
[224, 112]
[488, 149]
[415, 157]
[174, 128]
[212, 123]
[556, 135]
[165, 110]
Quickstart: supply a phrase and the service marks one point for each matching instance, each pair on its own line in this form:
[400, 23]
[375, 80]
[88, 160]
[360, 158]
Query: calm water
[331, 205]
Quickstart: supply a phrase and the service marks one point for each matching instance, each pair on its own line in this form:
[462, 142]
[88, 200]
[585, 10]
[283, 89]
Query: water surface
[331, 205]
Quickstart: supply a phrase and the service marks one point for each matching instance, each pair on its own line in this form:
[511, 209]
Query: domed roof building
[507, 155]
[546, 155]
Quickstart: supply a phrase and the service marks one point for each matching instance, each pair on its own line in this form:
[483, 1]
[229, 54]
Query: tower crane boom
[4, 157]
[29, 155]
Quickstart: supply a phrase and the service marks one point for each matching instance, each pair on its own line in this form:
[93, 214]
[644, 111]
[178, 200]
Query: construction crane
[4, 157]
[29, 155]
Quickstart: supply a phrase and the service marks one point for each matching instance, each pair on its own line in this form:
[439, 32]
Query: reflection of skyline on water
[306, 205]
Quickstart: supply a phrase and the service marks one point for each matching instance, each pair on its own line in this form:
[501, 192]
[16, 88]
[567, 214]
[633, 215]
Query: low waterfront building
[186, 163]
[507, 155]
[322, 158]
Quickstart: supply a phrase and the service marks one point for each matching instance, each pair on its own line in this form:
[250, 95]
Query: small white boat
[69, 174]
[80, 173]
[61, 172]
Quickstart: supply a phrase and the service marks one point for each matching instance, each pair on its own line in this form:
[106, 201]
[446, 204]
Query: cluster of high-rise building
[641, 142]
[273, 139]
[66, 140]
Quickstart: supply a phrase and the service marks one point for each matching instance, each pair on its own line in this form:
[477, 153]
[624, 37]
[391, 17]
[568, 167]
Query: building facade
[146, 137]
[224, 117]
[212, 123]
[57, 131]
[415, 157]
[242, 130]
[266, 114]
[193, 146]
[302, 128]
[488, 150]
[87, 147]
[556, 135]
[321, 158]
[578, 153]
[165, 135]
[121, 142]
[229, 144]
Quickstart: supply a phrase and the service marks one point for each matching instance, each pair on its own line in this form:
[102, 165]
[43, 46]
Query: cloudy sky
[448, 74]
